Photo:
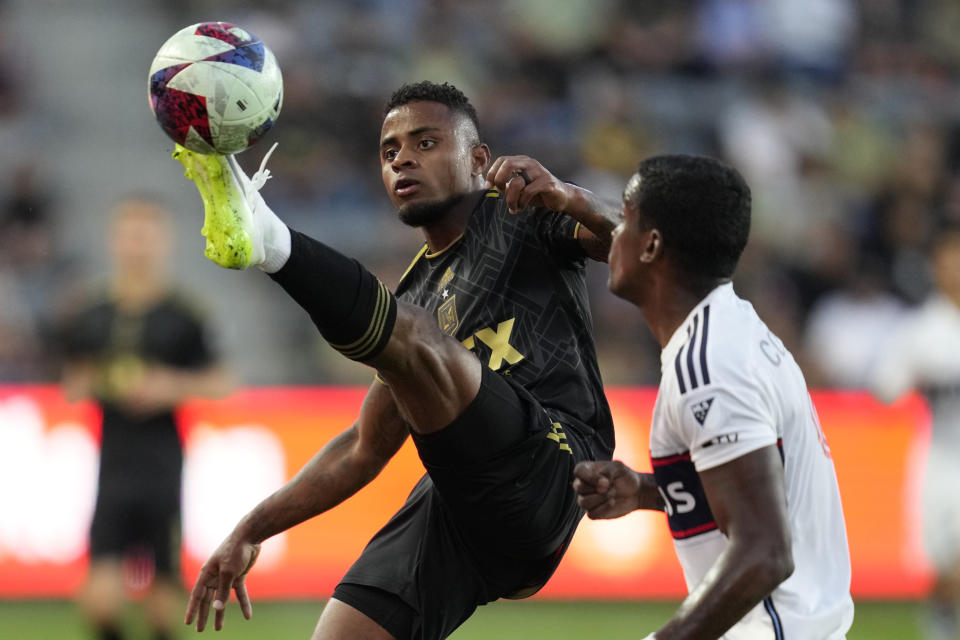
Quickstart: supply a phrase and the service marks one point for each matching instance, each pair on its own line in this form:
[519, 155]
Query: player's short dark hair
[701, 206]
[156, 202]
[143, 195]
[426, 91]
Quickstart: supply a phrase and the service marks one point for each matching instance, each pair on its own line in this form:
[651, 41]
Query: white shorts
[940, 507]
[758, 624]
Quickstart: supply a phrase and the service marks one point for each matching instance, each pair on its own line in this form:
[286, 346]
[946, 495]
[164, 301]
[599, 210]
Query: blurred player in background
[484, 356]
[740, 464]
[138, 350]
[924, 354]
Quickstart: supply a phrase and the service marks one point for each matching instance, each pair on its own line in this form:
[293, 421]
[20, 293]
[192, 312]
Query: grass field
[532, 620]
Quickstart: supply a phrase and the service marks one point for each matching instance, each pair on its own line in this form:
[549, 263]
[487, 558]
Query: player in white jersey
[740, 464]
[924, 354]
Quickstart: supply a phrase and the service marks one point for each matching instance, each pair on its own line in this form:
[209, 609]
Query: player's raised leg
[354, 311]
[431, 375]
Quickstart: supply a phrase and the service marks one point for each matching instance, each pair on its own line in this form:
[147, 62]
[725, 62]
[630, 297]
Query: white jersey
[728, 388]
[924, 354]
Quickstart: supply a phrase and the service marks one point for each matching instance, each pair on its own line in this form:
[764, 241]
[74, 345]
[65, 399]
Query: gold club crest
[447, 316]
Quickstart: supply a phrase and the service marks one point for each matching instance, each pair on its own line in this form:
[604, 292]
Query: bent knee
[431, 375]
[420, 349]
[102, 596]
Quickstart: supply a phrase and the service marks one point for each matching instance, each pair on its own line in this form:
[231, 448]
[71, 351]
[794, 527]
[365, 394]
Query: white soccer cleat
[236, 218]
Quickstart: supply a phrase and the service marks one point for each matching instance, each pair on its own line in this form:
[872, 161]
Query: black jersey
[136, 448]
[512, 289]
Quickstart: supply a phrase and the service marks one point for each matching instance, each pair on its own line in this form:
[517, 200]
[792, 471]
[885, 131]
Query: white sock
[276, 240]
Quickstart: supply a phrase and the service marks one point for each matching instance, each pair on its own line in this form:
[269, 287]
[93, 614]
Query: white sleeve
[722, 424]
[894, 373]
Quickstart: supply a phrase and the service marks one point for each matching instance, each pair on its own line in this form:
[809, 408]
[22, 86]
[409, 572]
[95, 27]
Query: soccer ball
[215, 88]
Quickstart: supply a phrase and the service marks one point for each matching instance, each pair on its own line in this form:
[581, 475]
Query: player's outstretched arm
[749, 504]
[610, 489]
[525, 182]
[344, 466]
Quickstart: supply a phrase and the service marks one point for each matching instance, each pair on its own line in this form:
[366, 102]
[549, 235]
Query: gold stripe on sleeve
[361, 348]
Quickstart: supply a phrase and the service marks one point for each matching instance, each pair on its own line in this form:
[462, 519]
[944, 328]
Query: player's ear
[651, 246]
[480, 157]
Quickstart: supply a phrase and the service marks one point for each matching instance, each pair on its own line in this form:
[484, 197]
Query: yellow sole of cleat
[228, 244]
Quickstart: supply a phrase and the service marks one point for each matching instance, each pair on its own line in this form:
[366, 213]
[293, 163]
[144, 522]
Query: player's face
[627, 273]
[619, 254]
[140, 239]
[428, 159]
[946, 265]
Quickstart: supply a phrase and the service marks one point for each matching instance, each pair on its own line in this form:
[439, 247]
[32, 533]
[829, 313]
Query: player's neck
[133, 292]
[672, 305]
[444, 232]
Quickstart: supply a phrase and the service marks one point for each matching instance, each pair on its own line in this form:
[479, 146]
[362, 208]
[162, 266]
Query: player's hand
[606, 489]
[226, 569]
[156, 388]
[525, 182]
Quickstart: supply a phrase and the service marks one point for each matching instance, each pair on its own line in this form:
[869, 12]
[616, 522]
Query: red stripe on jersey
[660, 462]
[692, 531]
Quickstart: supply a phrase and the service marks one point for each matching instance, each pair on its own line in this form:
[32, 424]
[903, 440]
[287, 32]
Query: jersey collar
[679, 337]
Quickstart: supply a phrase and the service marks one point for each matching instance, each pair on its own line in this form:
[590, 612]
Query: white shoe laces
[258, 179]
[250, 185]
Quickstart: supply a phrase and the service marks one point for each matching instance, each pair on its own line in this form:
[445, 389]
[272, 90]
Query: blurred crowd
[842, 115]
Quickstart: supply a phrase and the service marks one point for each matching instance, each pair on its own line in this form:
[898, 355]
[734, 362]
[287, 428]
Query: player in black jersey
[138, 350]
[484, 357]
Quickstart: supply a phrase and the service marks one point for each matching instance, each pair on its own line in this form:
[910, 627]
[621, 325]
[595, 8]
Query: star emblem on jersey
[701, 409]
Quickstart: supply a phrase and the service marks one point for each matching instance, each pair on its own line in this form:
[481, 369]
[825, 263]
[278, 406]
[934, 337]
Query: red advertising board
[242, 448]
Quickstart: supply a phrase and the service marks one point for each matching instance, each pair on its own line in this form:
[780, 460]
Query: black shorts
[490, 519]
[139, 524]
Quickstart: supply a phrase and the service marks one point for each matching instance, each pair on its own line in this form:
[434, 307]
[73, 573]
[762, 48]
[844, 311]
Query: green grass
[532, 620]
